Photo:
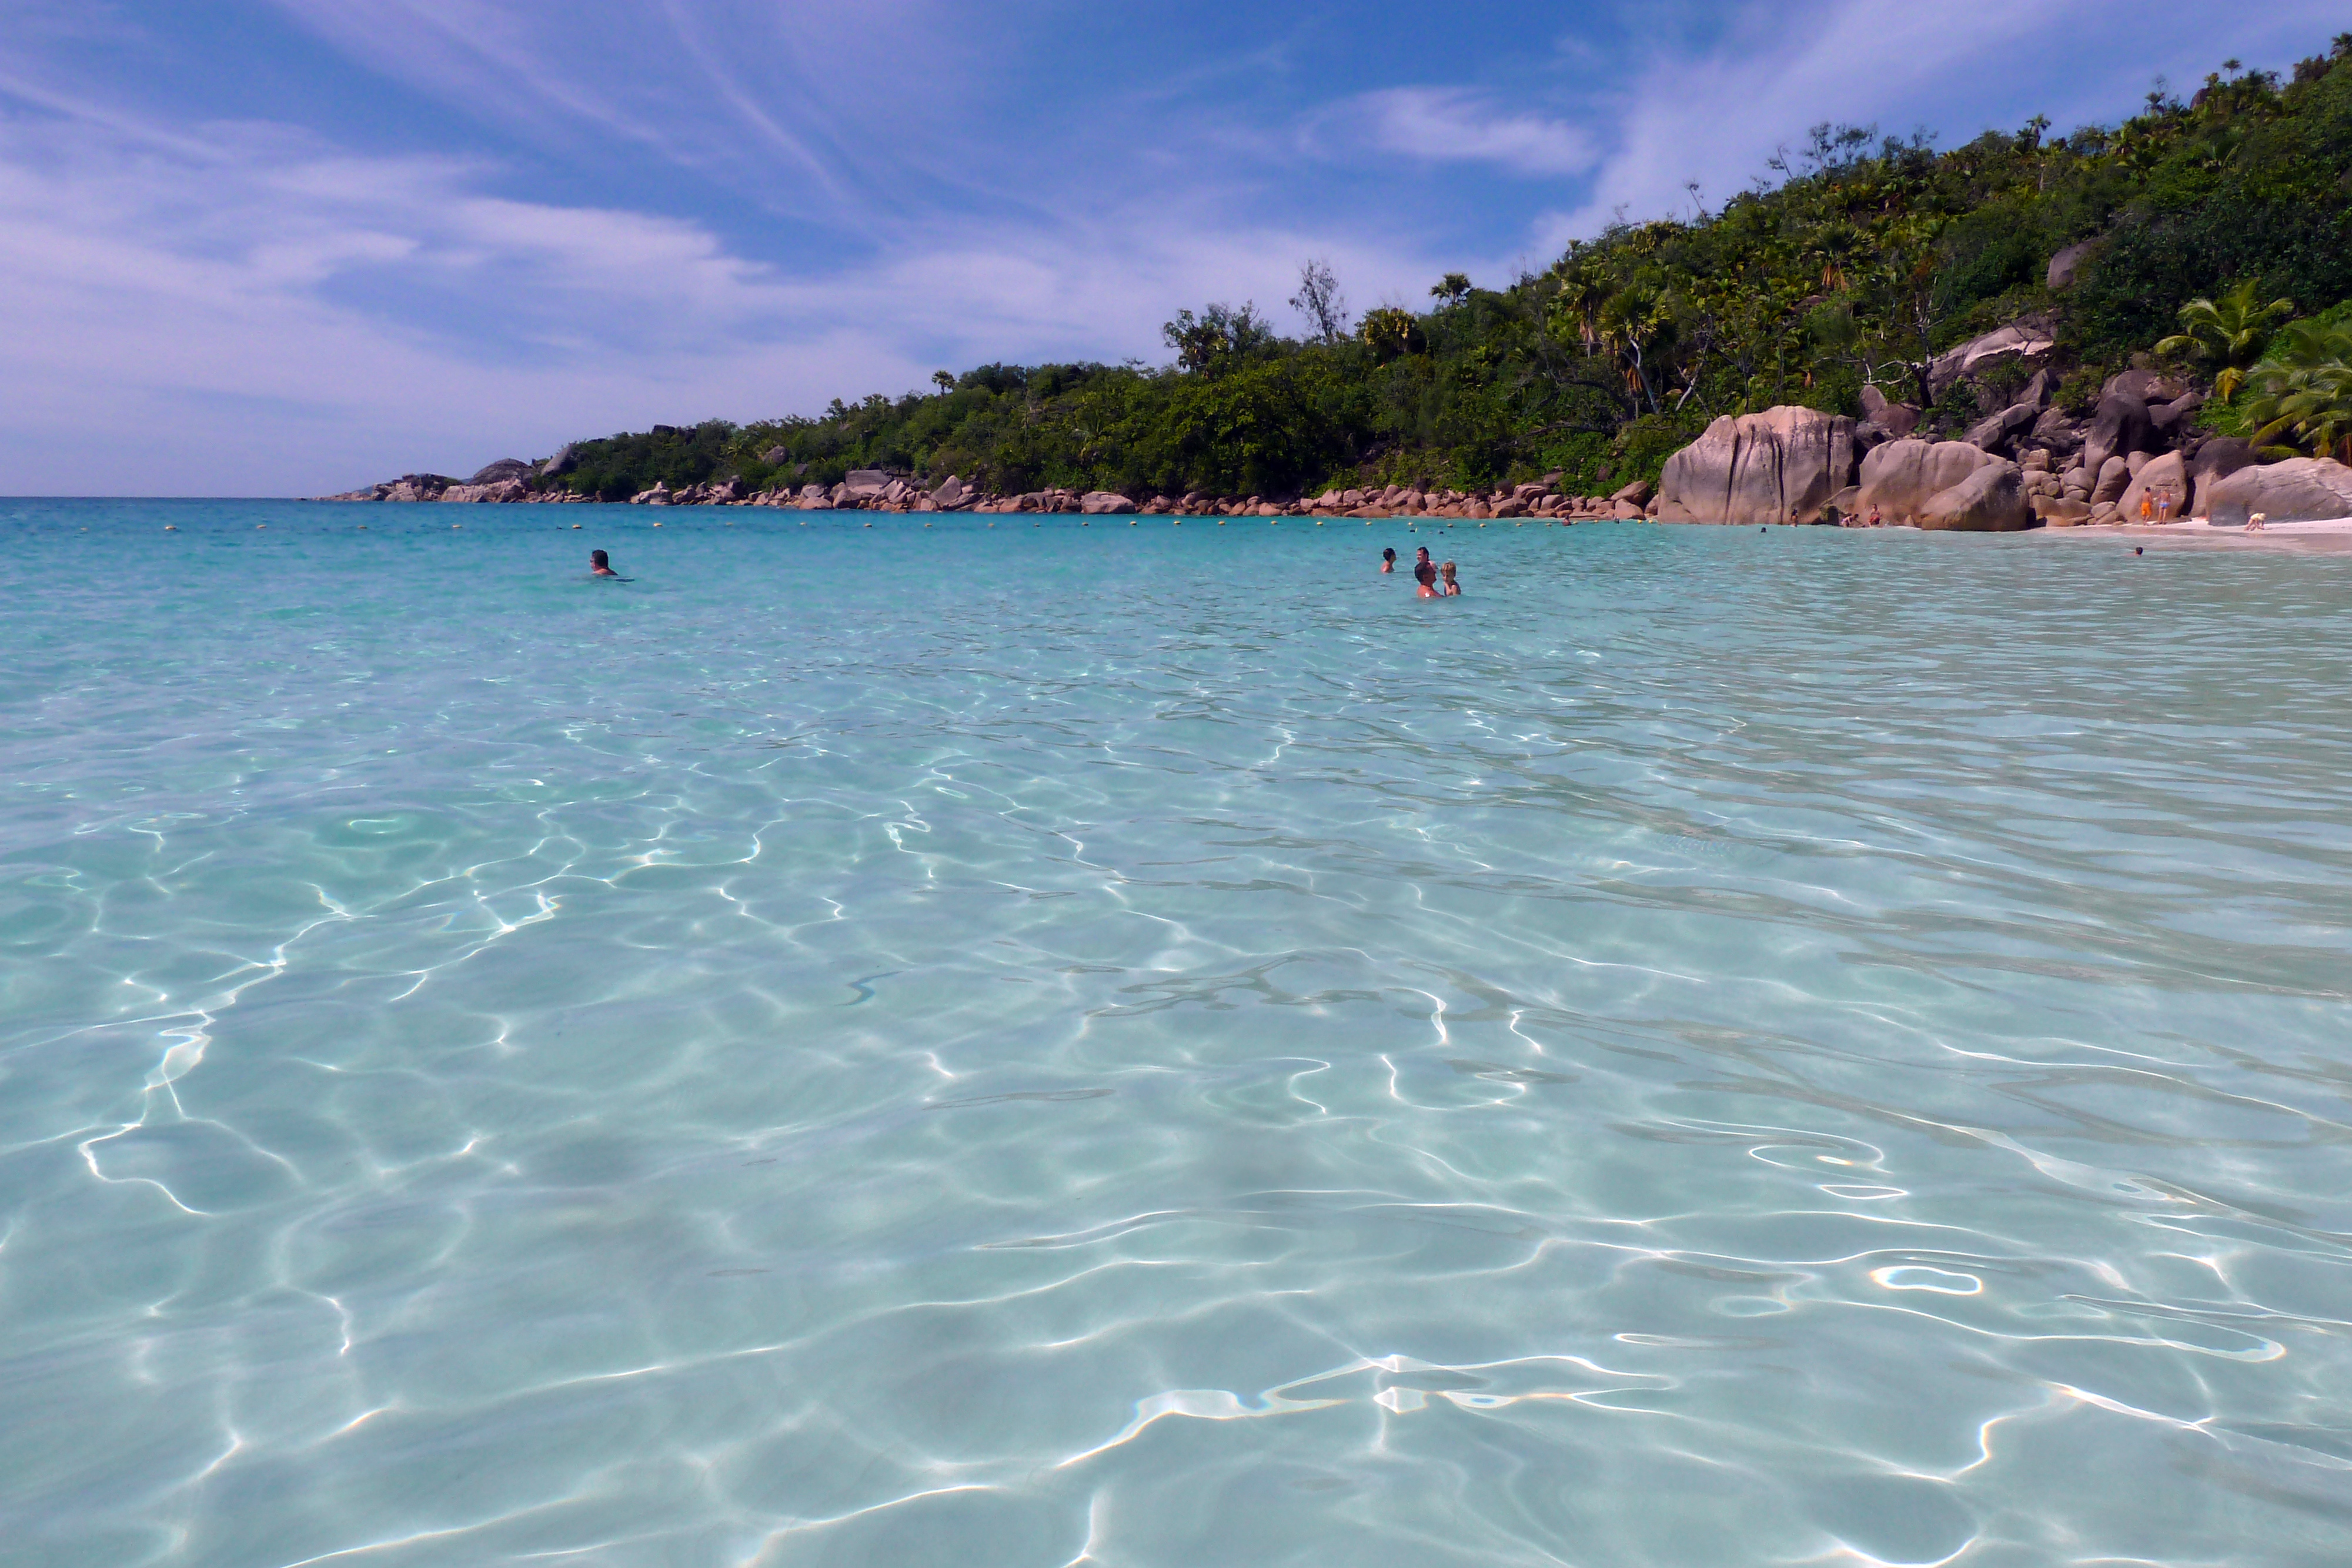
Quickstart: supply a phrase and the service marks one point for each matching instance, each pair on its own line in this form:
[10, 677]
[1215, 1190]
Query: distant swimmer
[600, 565]
[1452, 590]
[1388, 561]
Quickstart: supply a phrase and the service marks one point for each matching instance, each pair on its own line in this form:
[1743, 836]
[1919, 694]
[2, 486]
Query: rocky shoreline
[2138, 457]
[2027, 462]
[510, 482]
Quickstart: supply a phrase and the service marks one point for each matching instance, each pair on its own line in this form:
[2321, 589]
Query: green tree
[1389, 333]
[1219, 339]
[1320, 300]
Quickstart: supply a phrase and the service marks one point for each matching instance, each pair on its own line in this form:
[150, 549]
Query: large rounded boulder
[2297, 490]
[1944, 485]
[1759, 468]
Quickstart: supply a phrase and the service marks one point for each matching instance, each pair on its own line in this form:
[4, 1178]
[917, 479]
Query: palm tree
[1630, 322]
[1582, 291]
[1835, 245]
[2232, 331]
[2303, 389]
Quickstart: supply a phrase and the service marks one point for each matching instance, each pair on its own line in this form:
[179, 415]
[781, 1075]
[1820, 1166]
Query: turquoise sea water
[1152, 1047]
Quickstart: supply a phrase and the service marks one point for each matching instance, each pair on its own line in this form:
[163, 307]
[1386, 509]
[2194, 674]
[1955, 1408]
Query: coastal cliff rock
[1943, 485]
[499, 472]
[2298, 489]
[1101, 503]
[1759, 468]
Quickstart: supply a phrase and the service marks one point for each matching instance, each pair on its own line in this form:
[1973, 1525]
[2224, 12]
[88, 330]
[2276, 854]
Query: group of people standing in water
[1436, 582]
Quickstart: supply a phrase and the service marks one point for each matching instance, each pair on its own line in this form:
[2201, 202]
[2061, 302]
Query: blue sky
[279, 246]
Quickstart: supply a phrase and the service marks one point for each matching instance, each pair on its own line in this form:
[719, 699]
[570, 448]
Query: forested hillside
[1858, 261]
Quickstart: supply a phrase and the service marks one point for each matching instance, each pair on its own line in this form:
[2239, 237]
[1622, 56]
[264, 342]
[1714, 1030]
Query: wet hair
[1387, 555]
[1447, 568]
[598, 557]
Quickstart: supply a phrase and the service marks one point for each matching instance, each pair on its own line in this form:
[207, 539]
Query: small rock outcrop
[497, 490]
[1102, 502]
[499, 472]
[2067, 265]
[2299, 489]
[1759, 468]
[2027, 338]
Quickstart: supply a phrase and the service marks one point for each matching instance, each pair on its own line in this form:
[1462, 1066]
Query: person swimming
[1452, 589]
[1388, 561]
[600, 565]
[1424, 571]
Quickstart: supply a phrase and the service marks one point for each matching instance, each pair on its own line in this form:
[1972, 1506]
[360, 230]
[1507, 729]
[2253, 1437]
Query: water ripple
[935, 1047]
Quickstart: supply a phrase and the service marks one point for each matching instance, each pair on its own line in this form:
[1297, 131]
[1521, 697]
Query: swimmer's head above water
[600, 564]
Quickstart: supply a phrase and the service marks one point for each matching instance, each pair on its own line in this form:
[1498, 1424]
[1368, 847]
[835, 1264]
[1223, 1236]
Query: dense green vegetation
[1853, 265]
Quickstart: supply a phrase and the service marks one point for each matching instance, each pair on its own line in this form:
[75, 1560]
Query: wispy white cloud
[270, 313]
[1458, 125]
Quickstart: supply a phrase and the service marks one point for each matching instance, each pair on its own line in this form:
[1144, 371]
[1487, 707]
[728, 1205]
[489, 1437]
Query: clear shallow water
[1153, 1047]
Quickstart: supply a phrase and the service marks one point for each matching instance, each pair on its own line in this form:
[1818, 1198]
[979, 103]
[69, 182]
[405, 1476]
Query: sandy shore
[2323, 533]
